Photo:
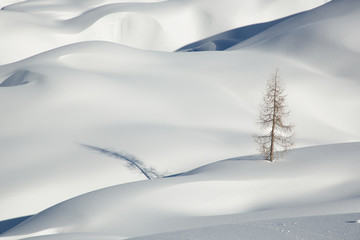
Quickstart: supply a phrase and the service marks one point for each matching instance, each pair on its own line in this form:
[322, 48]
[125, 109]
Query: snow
[113, 105]
[246, 192]
[153, 25]
[319, 227]
[319, 37]
[104, 74]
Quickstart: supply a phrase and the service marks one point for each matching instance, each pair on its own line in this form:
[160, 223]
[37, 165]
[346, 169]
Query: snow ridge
[106, 73]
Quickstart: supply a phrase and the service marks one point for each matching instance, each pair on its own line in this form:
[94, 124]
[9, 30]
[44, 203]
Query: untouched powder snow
[323, 37]
[248, 188]
[93, 93]
[103, 74]
[152, 25]
[317, 228]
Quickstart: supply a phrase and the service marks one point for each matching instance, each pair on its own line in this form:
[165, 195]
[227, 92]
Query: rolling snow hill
[148, 24]
[105, 74]
[308, 182]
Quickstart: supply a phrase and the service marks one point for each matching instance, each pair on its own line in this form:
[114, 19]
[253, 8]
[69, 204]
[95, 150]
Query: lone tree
[273, 119]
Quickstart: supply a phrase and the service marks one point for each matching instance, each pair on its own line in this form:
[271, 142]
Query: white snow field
[232, 199]
[36, 26]
[79, 78]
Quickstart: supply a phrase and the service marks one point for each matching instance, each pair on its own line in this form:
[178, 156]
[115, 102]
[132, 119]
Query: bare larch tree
[273, 118]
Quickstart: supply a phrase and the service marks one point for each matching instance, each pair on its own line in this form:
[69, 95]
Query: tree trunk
[273, 120]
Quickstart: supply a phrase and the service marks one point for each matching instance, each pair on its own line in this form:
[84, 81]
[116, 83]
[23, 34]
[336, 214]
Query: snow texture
[106, 74]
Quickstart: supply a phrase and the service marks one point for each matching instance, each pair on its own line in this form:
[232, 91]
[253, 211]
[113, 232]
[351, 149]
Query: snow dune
[248, 188]
[103, 74]
[93, 93]
[323, 36]
[152, 25]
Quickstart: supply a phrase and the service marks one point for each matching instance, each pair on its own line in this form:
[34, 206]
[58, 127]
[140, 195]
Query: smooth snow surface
[93, 93]
[323, 37]
[104, 74]
[309, 181]
[38, 26]
[319, 227]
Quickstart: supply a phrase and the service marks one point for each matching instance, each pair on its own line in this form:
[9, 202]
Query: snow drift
[93, 93]
[148, 24]
[305, 183]
[323, 36]
[101, 74]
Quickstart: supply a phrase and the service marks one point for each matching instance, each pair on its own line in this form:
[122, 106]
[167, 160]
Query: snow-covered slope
[310, 181]
[93, 93]
[341, 226]
[88, 86]
[148, 24]
[324, 37]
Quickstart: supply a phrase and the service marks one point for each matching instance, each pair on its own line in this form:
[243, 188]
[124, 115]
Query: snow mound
[152, 25]
[253, 190]
[93, 93]
[323, 36]
[83, 77]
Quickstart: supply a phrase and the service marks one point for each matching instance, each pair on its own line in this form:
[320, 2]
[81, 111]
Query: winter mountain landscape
[135, 119]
